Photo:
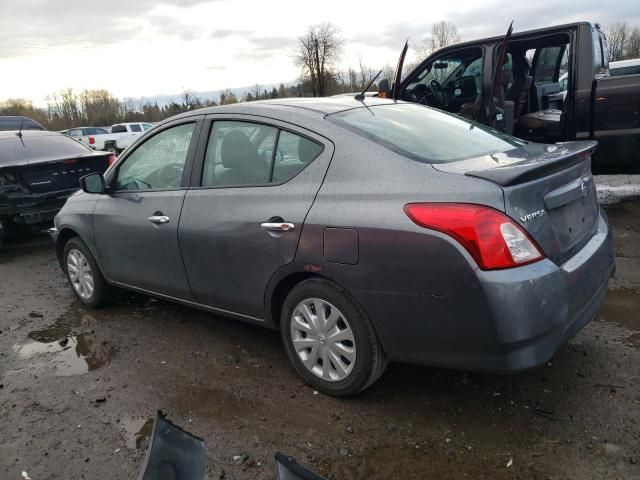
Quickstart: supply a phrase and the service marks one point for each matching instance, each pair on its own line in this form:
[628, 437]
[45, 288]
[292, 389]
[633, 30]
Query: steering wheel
[439, 93]
[170, 175]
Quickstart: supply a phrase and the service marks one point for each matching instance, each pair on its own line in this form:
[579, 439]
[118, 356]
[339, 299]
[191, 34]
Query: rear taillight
[92, 140]
[493, 239]
[111, 159]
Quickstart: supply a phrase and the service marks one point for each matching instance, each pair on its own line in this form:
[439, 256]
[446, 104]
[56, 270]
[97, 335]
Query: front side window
[146, 126]
[424, 134]
[158, 163]
[135, 128]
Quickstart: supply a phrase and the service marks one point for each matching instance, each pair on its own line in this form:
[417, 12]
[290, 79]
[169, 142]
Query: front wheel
[330, 340]
[84, 276]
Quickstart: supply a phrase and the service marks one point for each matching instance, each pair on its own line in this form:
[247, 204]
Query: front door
[243, 223]
[136, 223]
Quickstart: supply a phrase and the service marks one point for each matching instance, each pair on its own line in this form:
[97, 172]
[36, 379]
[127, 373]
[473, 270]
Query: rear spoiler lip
[536, 166]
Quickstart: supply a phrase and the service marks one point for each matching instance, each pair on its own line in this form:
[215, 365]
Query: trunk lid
[65, 174]
[548, 190]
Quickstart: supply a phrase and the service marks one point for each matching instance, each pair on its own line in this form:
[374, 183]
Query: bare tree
[190, 100]
[318, 53]
[443, 33]
[633, 43]
[617, 37]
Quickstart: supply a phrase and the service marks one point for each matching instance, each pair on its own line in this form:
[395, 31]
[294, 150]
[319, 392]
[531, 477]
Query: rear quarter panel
[403, 271]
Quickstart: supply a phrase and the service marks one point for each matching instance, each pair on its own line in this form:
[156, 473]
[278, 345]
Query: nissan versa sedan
[364, 231]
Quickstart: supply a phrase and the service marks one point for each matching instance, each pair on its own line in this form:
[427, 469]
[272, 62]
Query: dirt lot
[78, 388]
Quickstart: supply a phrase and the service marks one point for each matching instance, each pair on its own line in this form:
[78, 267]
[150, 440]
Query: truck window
[546, 65]
[119, 129]
[600, 53]
[135, 128]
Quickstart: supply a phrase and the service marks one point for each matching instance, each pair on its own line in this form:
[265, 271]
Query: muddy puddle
[137, 431]
[71, 354]
[621, 307]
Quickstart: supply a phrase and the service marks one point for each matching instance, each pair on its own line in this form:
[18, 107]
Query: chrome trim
[159, 219]
[278, 227]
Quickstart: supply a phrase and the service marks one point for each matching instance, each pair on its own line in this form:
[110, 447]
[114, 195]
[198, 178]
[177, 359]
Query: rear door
[136, 223]
[616, 110]
[242, 220]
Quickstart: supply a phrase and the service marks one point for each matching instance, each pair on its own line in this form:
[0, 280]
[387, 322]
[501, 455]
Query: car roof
[301, 107]
[10, 122]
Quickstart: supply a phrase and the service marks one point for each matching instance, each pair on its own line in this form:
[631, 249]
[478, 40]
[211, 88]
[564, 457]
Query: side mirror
[93, 183]
[384, 91]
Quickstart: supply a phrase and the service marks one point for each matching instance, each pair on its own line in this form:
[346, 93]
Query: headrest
[237, 150]
[307, 150]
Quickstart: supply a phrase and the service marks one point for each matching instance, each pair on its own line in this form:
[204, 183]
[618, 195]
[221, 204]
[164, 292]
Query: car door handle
[278, 226]
[159, 219]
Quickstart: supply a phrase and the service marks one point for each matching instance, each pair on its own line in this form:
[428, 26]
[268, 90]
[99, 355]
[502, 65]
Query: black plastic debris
[173, 454]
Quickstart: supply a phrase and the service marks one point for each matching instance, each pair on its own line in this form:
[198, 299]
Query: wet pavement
[79, 389]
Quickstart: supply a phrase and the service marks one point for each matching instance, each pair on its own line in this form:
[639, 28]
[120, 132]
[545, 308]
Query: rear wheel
[84, 276]
[330, 340]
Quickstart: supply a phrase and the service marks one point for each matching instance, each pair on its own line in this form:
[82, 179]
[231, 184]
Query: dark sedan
[364, 231]
[38, 172]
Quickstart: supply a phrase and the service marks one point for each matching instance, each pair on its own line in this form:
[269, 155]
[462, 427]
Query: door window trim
[197, 120]
[279, 125]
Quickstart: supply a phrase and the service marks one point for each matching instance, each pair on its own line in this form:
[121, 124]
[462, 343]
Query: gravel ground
[78, 388]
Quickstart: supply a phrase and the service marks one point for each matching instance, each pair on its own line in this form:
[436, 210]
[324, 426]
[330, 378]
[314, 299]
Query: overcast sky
[150, 47]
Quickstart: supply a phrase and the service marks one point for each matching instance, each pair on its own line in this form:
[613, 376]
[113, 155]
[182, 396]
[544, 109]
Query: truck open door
[501, 111]
[393, 91]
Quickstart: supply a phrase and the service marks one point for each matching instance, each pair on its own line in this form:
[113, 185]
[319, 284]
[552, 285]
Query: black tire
[370, 359]
[102, 292]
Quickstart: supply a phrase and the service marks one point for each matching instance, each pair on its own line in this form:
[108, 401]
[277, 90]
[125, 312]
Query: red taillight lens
[493, 239]
[111, 159]
[92, 141]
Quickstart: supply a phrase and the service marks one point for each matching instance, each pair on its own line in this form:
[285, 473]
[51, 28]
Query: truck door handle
[159, 219]
[278, 226]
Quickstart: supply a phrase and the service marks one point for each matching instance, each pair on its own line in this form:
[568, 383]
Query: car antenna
[19, 134]
[360, 96]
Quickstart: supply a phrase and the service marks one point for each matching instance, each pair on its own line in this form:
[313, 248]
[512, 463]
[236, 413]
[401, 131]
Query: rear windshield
[424, 134]
[39, 147]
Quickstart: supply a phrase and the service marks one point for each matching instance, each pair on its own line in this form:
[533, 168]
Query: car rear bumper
[501, 321]
[33, 210]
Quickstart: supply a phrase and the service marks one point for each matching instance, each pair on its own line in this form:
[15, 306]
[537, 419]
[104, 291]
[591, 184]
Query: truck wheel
[85, 278]
[330, 340]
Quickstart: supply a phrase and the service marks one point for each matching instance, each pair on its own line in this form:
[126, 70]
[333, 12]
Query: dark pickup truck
[513, 83]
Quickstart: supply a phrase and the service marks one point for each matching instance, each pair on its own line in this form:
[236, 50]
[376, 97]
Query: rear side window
[292, 155]
[424, 134]
[119, 129]
[246, 153]
[39, 147]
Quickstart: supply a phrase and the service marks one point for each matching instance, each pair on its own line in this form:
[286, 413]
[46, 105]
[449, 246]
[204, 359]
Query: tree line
[318, 56]
[623, 40]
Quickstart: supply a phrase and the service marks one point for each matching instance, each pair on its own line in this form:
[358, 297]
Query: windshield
[424, 134]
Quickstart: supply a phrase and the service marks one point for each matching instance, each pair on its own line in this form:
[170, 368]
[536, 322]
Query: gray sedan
[364, 231]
